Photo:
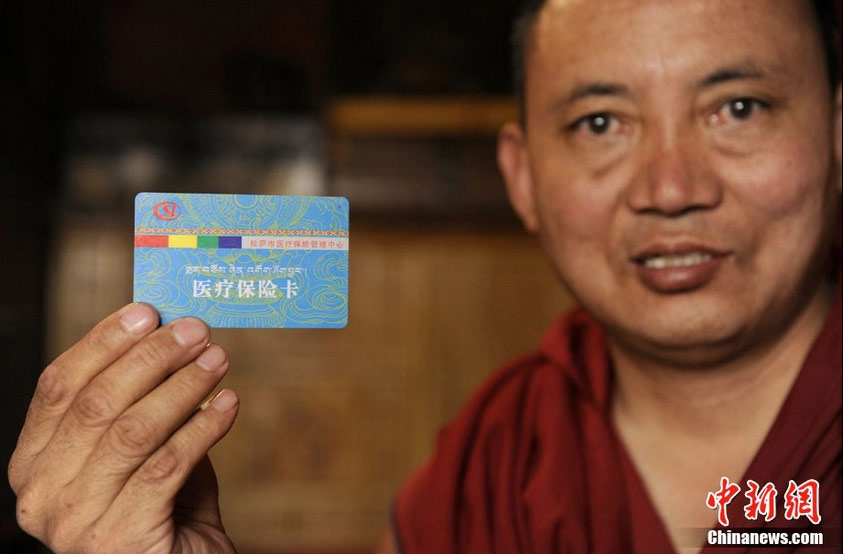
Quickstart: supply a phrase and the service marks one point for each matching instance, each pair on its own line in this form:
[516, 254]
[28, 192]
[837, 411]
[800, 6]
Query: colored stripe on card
[247, 242]
[207, 242]
[153, 241]
[230, 242]
[182, 241]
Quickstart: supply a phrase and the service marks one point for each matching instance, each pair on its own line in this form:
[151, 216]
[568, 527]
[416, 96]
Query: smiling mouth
[664, 261]
[673, 268]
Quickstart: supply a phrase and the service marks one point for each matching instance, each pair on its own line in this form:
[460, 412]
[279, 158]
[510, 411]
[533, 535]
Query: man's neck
[702, 403]
[684, 428]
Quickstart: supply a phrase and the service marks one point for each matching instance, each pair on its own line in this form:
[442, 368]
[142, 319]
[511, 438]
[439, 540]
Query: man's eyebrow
[595, 89]
[738, 72]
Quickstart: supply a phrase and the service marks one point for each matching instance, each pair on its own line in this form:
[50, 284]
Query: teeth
[684, 260]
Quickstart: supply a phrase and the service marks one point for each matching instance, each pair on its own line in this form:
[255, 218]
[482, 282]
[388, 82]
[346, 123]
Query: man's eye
[595, 124]
[742, 108]
[739, 109]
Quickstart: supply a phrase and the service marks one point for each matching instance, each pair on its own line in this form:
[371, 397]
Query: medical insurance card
[243, 260]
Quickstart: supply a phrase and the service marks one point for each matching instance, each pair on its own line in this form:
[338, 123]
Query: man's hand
[112, 457]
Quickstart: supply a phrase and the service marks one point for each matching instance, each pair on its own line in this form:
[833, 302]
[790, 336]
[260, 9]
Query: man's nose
[673, 176]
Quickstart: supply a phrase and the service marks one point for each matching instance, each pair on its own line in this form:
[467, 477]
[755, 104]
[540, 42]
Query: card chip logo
[167, 211]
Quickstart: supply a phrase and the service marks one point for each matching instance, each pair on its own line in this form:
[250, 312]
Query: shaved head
[826, 13]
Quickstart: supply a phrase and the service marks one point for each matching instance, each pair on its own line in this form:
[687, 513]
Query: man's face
[680, 165]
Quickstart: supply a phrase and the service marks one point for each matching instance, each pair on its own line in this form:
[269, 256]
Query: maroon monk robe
[532, 464]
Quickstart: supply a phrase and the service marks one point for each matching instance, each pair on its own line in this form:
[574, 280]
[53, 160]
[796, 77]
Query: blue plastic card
[243, 260]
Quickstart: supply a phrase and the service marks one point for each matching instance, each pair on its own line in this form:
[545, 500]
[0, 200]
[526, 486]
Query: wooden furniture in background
[411, 155]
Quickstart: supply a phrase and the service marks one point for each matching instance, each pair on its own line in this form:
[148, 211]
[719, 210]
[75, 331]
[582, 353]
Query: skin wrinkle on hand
[99, 507]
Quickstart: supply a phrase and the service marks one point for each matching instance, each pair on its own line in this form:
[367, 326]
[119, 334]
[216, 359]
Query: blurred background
[394, 105]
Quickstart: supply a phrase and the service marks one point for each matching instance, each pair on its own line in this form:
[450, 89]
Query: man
[680, 162]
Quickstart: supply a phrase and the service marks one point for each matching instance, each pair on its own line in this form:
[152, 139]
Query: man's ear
[515, 167]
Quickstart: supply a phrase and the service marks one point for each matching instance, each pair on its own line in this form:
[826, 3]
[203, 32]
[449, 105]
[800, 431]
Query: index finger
[62, 380]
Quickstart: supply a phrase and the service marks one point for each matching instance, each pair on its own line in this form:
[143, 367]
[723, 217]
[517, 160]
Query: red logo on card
[167, 211]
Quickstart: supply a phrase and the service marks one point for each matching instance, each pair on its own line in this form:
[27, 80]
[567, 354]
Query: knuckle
[67, 527]
[204, 427]
[53, 521]
[150, 353]
[15, 472]
[163, 465]
[60, 534]
[183, 389]
[94, 407]
[131, 436]
[101, 338]
[52, 390]
[101, 542]
[28, 512]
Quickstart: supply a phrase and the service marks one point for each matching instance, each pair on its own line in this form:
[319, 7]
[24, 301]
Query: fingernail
[212, 358]
[224, 401]
[137, 318]
[190, 331]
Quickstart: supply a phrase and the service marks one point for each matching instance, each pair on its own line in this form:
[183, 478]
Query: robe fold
[533, 465]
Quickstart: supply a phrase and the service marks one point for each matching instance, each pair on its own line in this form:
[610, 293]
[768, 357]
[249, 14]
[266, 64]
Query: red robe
[532, 464]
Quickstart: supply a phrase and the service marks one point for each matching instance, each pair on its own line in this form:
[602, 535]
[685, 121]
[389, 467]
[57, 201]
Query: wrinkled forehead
[576, 36]
[580, 11]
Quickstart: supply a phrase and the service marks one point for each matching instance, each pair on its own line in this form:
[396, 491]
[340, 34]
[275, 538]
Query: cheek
[577, 217]
[786, 185]
[783, 205]
[575, 212]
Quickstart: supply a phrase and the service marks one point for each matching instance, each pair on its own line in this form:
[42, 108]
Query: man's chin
[693, 345]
